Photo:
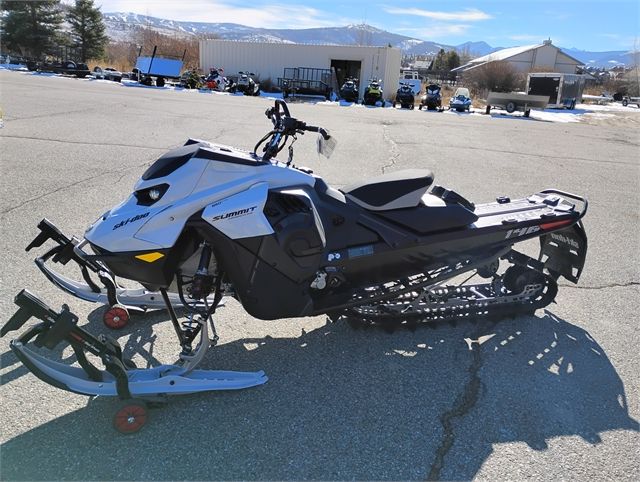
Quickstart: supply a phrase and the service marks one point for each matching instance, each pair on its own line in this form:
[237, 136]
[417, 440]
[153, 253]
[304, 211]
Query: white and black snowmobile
[246, 84]
[432, 99]
[405, 97]
[207, 221]
[349, 90]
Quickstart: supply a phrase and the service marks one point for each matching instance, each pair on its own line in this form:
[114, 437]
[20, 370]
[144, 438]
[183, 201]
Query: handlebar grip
[321, 130]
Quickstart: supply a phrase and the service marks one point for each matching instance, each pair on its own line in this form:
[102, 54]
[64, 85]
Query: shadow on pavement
[343, 404]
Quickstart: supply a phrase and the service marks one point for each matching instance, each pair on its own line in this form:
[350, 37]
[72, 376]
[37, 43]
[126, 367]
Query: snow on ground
[12, 67]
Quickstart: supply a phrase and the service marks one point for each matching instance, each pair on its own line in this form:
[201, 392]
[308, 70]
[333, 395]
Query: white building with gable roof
[527, 58]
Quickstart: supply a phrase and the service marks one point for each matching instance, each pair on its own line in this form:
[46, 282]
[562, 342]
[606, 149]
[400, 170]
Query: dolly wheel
[116, 317]
[130, 417]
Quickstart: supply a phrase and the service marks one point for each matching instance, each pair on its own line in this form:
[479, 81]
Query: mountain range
[120, 25]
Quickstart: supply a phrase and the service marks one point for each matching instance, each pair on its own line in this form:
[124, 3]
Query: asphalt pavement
[550, 396]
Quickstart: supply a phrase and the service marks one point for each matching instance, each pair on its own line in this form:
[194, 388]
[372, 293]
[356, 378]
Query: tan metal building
[529, 57]
[268, 60]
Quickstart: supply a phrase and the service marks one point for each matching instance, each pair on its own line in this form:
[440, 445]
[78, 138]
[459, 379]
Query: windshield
[462, 91]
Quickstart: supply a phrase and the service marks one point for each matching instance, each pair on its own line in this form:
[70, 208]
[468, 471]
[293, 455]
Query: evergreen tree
[30, 27]
[453, 60]
[87, 29]
[440, 62]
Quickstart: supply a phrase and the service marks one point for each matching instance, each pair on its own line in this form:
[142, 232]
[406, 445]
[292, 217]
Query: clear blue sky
[586, 24]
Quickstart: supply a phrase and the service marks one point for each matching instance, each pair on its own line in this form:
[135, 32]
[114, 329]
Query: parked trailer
[564, 90]
[65, 68]
[626, 100]
[513, 101]
[306, 81]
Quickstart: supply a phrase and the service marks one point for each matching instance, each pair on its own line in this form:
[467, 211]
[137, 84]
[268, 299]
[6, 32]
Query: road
[550, 396]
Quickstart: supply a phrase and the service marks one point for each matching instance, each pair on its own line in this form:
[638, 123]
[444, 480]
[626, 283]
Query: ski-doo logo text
[235, 214]
[131, 220]
[565, 240]
[512, 233]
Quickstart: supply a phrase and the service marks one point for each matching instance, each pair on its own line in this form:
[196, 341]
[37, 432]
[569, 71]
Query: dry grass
[122, 55]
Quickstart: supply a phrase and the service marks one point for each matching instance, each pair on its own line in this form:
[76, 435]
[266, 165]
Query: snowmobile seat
[395, 190]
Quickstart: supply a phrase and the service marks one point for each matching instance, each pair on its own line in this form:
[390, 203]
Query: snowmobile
[207, 221]
[247, 85]
[432, 99]
[373, 93]
[405, 96]
[349, 90]
[216, 81]
[461, 100]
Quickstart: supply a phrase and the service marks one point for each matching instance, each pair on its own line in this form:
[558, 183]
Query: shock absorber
[202, 284]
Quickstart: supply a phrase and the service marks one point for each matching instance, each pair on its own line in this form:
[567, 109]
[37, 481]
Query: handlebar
[284, 126]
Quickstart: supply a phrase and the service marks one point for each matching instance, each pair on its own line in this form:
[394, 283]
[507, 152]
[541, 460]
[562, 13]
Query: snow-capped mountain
[477, 48]
[602, 59]
[120, 25]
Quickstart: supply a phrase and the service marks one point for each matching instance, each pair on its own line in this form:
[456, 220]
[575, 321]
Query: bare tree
[494, 76]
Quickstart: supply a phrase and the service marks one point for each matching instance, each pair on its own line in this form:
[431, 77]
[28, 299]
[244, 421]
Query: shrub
[268, 85]
[494, 76]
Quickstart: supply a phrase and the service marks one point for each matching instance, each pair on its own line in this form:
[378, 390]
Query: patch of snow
[504, 54]
[611, 107]
[271, 95]
[13, 67]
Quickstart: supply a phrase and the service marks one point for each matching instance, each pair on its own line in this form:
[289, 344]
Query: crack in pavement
[85, 142]
[394, 151]
[462, 406]
[73, 184]
[602, 287]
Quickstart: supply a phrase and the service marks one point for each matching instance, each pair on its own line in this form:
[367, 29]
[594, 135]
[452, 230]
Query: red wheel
[116, 317]
[131, 417]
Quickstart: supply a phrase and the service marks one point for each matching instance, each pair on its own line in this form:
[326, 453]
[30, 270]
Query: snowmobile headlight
[150, 195]
[154, 194]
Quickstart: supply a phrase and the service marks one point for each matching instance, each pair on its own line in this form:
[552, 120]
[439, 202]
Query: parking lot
[551, 396]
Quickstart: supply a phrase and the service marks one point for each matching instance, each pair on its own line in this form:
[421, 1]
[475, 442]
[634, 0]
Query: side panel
[241, 215]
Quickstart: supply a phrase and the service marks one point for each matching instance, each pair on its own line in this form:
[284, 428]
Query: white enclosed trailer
[564, 90]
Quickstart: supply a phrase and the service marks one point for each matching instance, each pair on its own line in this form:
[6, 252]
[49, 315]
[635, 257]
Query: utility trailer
[626, 100]
[564, 90]
[512, 101]
[162, 68]
[66, 67]
[306, 81]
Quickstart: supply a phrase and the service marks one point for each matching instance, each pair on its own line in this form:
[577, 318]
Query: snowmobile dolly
[136, 388]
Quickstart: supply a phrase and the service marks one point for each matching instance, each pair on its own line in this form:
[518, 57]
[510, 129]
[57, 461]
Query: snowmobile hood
[460, 100]
[176, 178]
